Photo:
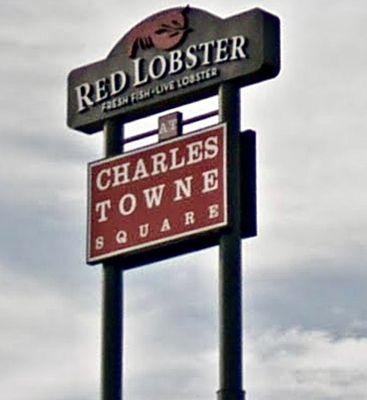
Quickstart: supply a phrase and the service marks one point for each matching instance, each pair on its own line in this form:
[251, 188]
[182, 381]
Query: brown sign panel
[158, 195]
[171, 58]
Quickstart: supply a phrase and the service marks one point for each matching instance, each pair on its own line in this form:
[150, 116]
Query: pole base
[230, 394]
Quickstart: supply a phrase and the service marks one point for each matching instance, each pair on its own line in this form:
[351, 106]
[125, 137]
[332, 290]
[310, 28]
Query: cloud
[298, 364]
[320, 294]
[305, 303]
[171, 335]
[46, 348]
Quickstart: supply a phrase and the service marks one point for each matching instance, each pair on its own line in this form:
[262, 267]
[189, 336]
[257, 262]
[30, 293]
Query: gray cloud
[298, 364]
[305, 324]
[316, 295]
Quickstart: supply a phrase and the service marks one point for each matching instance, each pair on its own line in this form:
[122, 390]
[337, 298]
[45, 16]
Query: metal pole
[230, 303]
[112, 292]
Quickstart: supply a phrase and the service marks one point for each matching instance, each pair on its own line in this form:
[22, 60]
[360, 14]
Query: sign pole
[112, 295]
[230, 307]
[149, 70]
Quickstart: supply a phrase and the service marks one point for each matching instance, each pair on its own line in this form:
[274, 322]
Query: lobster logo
[164, 32]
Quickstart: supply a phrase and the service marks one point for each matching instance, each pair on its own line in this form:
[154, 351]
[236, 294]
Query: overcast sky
[305, 297]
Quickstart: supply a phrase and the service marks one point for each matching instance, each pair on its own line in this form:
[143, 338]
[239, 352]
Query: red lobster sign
[171, 58]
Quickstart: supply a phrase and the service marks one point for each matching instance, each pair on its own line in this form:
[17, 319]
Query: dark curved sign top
[171, 58]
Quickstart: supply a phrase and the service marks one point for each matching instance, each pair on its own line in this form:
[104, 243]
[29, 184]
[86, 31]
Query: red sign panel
[156, 195]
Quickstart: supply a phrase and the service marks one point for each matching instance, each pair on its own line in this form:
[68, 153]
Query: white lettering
[183, 188]
[118, 82]
[191, 57]
[163, 130]
[138, 72]
[127, 204]
[238, 48]
[99, 183]
[210, 181]
[189, 218]
[99, 243]
[174, 163]
[101, 208]
[222, 51]
[213, 211]
[166, 226]
[176, 63]
[207, 48]
[121, 237]
[144, 230]
[120, 174]
[140, 170]
[173, 124]
[211, 147]
[83, 92]
[157, 67]
[159, 163]
[195, 152]
[101, 90]
[153, 196]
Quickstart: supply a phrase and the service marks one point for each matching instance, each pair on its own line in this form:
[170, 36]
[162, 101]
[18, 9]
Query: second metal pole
[230, 303]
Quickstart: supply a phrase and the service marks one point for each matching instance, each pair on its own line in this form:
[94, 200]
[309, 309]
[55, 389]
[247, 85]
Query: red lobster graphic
[164, 31]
